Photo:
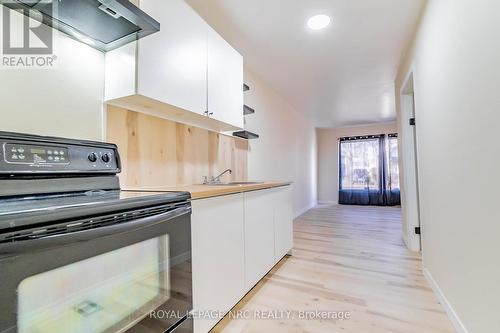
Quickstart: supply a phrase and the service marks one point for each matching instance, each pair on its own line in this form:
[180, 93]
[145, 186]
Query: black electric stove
[79, 255]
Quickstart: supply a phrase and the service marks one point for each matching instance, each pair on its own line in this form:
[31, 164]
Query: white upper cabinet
[172, 63]
[185, 72]
[225, 81]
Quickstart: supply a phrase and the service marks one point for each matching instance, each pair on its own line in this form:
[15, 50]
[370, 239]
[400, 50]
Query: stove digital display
[38, 151]
[30, 154]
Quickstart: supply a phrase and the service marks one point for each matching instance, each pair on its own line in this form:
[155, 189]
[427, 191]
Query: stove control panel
[29, 154]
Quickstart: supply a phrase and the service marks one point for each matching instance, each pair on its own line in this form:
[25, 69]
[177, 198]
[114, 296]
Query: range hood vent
[102, 24]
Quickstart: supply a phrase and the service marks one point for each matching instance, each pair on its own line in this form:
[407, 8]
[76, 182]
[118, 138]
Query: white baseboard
[327, 202]
[455, 320]
[305, 209]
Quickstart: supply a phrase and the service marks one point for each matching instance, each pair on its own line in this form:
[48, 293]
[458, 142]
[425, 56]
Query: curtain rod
[362, 137]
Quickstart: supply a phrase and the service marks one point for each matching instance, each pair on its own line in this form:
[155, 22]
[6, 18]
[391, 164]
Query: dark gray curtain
[367, 183]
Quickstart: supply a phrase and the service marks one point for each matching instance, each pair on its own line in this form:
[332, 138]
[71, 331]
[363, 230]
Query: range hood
[102, 24]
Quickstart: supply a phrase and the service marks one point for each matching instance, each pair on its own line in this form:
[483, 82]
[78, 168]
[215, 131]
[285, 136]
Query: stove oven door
[126, 272]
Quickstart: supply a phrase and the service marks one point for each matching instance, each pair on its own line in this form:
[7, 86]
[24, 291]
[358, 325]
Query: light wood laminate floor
[345, 258]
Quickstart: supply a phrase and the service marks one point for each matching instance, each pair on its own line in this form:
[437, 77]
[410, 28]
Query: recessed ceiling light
[318, 22]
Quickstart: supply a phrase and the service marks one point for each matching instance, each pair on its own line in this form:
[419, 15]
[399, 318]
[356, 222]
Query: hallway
[346, 259]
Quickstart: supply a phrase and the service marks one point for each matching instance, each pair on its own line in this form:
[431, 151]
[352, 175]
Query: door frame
[411, 210]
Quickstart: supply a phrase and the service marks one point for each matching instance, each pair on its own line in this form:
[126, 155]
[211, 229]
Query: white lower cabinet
[259, 235]
[236, 240]
[218, 256]
[283, 222]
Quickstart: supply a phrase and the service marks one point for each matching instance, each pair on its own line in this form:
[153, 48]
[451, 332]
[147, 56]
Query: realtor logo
[26, 42]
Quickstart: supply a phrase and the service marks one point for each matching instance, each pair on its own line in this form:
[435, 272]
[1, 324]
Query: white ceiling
[340, 76]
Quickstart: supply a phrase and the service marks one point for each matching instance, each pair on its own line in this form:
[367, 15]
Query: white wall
[64, 101]
[456, 63]
[286, 149]
[328, 155]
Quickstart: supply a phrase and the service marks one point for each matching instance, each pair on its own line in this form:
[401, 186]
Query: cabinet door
[172, 63]
[218, 256]
[225, 81]
[283, 222]
[259, 235]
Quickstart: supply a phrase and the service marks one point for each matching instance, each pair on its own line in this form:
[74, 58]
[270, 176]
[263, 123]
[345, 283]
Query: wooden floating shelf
[245, 87]
[247, 110]
[246, 135]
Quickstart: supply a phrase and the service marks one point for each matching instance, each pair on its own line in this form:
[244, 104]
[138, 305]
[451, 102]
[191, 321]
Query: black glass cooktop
[29, 210]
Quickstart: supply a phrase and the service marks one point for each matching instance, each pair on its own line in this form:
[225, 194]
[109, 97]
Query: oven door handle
[63, 239]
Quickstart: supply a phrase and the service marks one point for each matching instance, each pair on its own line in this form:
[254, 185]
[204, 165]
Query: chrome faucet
[216, 180]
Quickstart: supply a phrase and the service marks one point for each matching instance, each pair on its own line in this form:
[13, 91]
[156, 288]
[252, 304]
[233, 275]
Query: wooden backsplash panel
[159, 152]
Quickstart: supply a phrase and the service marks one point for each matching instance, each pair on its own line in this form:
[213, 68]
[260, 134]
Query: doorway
[408, 152]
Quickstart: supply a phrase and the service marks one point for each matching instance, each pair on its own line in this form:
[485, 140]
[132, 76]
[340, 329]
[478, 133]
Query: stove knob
[92, 157]
[106, 158]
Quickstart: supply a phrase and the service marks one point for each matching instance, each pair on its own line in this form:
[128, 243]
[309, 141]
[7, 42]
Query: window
[360, 164]
[368, 170]
[392, 162]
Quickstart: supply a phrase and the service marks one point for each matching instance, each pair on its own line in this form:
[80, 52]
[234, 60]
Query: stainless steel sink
[244, 183]
[233, 184]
